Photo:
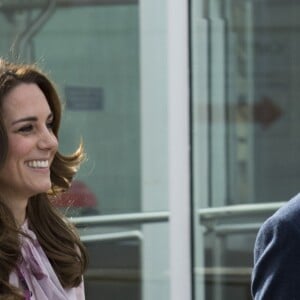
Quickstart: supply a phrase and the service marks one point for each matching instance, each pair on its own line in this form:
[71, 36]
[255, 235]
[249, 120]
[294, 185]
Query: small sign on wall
[84, 98]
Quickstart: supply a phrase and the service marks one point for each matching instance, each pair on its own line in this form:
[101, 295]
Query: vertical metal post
[18, 48]
[178, 150]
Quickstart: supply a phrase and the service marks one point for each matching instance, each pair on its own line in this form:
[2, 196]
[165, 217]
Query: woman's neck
[18, 209]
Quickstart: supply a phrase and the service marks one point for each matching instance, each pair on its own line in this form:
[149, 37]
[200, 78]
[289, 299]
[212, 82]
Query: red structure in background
[77, 196]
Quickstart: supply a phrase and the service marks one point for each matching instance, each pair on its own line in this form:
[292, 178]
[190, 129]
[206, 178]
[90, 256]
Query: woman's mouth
[38, 163]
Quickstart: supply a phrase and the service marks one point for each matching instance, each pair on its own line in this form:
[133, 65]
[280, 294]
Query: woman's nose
[47, 140]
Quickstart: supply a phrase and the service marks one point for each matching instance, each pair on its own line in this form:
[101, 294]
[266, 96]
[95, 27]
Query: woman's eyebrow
[30, 119]
[26, 119]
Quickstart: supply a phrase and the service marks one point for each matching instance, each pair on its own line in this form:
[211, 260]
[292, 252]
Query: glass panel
[108, 59]
[245, 132]
[96, 65]
[100, 82]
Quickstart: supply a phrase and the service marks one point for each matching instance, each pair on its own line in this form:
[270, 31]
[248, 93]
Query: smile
[38, 164]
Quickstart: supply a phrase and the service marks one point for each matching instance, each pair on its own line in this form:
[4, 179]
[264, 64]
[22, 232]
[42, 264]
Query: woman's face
[31, 143]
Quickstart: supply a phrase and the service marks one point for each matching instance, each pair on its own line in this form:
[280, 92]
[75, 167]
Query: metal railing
[237, 210]
[208, 217]
[123, 235]
[130, 218]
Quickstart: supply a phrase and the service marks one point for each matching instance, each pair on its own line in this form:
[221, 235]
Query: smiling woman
[28, 121]
[41, 256]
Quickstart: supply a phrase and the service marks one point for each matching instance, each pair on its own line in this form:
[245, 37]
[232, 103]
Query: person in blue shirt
[276, 271]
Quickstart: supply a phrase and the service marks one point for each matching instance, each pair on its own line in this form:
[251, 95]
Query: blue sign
[84, 98]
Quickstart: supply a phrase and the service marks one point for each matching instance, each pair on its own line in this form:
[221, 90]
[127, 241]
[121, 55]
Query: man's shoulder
[288, 213]
[290, 209]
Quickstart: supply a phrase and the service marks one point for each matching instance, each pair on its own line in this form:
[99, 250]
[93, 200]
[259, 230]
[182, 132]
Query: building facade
[188, 111]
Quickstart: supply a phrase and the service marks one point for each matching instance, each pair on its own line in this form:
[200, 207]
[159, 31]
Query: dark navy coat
[276, 272]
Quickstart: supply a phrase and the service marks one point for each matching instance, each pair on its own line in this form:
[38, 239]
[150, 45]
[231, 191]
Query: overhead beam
[15, 5]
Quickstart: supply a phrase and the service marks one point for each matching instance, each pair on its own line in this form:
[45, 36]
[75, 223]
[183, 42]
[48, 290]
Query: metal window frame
[207, 217]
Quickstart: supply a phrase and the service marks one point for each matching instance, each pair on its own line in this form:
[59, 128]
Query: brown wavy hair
[57, 236]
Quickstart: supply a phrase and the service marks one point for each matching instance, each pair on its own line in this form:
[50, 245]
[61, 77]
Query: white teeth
[38, 164]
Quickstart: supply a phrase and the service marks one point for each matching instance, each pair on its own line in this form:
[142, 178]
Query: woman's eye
[50, 125]
[26, 128]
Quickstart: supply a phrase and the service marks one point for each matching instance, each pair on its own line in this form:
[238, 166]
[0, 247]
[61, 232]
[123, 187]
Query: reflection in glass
[91, 51]
[245, 132]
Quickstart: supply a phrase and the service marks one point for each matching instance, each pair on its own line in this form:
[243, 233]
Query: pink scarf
[36, 275]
